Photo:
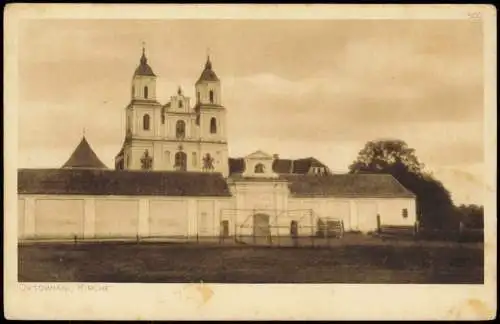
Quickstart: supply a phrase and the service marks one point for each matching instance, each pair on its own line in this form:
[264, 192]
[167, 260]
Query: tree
[471, 215]
[434, 205]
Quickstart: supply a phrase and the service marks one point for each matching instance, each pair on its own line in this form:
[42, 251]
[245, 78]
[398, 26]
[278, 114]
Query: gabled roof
[259, 155]
[208, 74]
[282, 166]
[302, 166]
[121, 183]
[347, 185]
[84, 157]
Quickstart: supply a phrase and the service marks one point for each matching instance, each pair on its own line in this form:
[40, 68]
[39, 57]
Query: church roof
[121, 183]
[144, 68]
[280, 166]
[84, 157]
[208, 74]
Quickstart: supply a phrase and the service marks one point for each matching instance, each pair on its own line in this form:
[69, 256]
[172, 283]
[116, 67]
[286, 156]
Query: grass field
[169, 263]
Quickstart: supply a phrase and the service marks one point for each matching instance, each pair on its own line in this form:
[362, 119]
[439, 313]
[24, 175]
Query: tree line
[435, 207]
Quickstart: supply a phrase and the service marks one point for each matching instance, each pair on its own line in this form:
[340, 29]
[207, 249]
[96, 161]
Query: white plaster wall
[58, 218]
[138, 84]
[97, 216]
[358, 214]
[206, 220]
[391, 211]
[140, 111]
[367, 210]
[168, 217]
[204, 90]
[116, 217]
[205, 118]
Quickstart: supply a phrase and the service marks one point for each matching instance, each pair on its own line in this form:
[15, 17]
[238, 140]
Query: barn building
[173, 178]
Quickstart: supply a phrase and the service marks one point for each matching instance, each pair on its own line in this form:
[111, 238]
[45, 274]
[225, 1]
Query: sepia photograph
[244, 150]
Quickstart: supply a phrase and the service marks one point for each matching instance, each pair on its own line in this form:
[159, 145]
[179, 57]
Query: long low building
[85, 200]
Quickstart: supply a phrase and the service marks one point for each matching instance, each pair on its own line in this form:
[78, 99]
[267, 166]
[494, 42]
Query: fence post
[312, 228]
[278, 228]
[253, 227]
[74, 238]
[378, 225]
[197, 237]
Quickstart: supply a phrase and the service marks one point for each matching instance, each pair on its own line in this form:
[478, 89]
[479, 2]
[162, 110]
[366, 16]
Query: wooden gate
[261, 225]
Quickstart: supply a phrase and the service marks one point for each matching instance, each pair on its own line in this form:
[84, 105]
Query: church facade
[177, 135]
[173, 178]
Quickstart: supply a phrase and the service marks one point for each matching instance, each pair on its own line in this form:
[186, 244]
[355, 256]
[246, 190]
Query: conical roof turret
[84, 157]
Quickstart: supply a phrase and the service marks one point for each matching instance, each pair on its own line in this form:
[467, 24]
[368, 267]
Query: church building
[173, 178]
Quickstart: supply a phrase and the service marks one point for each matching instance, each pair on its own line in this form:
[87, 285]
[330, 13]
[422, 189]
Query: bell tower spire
[144, 80]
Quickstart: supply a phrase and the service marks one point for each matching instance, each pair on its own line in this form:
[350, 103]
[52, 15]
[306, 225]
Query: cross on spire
[143, 56]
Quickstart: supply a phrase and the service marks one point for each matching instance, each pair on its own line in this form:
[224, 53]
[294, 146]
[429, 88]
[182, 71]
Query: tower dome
[144, 68]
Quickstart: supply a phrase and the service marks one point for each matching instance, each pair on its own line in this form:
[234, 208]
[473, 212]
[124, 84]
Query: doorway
[261, 225]
[224, 225]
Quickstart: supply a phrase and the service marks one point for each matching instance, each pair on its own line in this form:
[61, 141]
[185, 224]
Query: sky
[320, 88]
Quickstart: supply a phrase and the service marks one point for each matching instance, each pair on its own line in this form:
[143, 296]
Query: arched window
[145, 122]
[213, 125]
[211, 94]
[259, 168]
[145, 92]
[180, 103]
[180, 161]
[198, 96]
[180, 129]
